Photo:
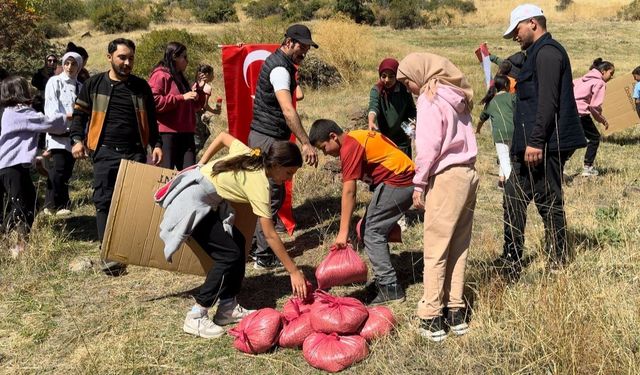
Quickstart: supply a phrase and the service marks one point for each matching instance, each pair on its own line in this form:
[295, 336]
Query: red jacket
[173, 113]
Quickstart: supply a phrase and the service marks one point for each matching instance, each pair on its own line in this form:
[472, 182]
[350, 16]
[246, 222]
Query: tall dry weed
[345, 45]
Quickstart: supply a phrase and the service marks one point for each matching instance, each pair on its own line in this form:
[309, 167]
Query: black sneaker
[387, 293]
[433, 329]
[457, 322]
[267, 263]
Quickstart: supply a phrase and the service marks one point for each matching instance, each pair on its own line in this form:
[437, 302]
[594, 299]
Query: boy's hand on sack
[299, 284]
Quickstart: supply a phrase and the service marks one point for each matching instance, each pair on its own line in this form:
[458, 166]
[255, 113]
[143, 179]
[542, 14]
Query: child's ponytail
[500, 83]
[601, 65]
[251, 162]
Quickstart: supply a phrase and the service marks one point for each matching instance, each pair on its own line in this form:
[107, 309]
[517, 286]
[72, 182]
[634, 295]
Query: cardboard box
[132, 232]
[619, 107]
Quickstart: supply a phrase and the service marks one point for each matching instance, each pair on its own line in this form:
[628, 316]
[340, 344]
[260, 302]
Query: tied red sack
[333, 352]
[295, 331]
[344, 315]
[340, 267]
[379, 323]
[297, 322]
[257, 332]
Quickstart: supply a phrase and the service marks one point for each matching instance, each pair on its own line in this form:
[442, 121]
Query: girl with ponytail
[498, 106]
[589, 93]
[196, 205]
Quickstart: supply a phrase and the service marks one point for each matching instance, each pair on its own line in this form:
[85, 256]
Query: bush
[268, 30]
[404, 14]
[258, 9]
[157, 13]
[112, 18]
[302, 10]
[630, 12]
[58, 10]
[52, 28]
[215, 11]
[356, 10]
[441, 17]
[22, 45]
[464, 6]
[563, 4]
[150, 50]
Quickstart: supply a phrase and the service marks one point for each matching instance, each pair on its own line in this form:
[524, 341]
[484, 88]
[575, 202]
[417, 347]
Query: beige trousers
[449, 204]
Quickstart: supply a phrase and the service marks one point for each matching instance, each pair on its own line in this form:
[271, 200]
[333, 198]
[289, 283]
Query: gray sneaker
[230, 314]
[199, 324]
[589, 171]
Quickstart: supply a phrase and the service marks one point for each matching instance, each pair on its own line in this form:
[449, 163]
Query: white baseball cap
[521, 13]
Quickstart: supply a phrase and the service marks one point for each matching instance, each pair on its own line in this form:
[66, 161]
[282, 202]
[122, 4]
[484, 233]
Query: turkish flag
[240, 70]
[482, 53]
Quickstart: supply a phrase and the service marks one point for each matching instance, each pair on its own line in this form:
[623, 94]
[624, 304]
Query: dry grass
[582, 321]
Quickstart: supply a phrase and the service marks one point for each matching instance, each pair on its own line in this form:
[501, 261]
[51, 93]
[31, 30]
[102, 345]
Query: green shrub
[57, 10]
[23, 45]
[316, 73]
[150, 50]
[112, 18]
[356, 10]
[258, 9]
[52, 28]
[404, 14]
[215, 11]
[302, 10]
[630, 12]
[158, 13]
[465, 6]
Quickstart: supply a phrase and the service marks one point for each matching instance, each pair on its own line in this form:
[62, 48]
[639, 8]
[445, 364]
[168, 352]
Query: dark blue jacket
[554, 127]
[268, 118]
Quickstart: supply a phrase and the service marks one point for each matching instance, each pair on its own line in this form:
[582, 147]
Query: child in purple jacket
[21, 125]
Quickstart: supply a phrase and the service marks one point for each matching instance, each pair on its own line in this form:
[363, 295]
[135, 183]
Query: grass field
[584, 320]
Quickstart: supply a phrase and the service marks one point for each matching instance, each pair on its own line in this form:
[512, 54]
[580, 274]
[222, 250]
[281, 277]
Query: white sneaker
[230, 313]
[403, 223]
[199, 324]
[589, 171]
[63, 212]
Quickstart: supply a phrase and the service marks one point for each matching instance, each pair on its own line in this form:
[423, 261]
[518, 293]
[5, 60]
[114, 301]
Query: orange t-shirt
[373, 158]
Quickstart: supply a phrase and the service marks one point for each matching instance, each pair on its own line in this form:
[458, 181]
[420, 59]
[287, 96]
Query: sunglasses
[52, 60]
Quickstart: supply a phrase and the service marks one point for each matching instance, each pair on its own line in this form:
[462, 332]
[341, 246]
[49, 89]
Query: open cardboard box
[132, 232]
[619, 107]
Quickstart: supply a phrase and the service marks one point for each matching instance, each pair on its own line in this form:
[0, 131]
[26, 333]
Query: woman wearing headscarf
[445, 186]
[176, 107]
[60, 95]
[390, 103]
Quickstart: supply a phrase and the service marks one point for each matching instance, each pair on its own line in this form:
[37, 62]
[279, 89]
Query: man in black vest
[275, 118]
[547, 131]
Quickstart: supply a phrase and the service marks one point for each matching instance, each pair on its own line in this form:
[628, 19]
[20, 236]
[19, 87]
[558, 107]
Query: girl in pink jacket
[589, 92]
[445, 185]
[176, 107]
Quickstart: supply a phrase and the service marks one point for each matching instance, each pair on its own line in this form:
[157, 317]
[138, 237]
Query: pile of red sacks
[333, 331]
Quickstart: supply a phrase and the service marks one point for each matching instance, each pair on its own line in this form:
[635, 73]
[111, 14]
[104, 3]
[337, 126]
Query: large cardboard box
[619, 107]
[132, 232]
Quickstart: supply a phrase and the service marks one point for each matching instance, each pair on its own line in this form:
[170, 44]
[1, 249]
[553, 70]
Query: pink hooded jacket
[589, 92]
[173, 113]
[444, 134]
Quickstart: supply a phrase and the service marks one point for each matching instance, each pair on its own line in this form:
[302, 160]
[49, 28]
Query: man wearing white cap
[547, 131]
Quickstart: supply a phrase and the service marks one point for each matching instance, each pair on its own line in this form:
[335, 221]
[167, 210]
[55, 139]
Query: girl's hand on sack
[299, 284]
[341, 240]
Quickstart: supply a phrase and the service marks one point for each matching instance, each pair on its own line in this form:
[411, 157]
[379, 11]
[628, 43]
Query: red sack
[295, 331]
[380, 323]
[295, 307]
[334, 353]
[344, 315]
[257, 332]
[341, 266]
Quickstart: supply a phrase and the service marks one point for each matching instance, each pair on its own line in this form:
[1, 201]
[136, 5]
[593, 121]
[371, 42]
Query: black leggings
[21, 194]
[224, 279]
[178, 150]
[593, 139]
[57, 196]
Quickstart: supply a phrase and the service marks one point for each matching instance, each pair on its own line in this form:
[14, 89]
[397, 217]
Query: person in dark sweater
[123, 124]
[275, 118]
[40, 78]
[547, 131]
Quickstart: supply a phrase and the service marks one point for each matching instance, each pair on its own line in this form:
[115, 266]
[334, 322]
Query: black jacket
[546, 115]
[268, 118]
